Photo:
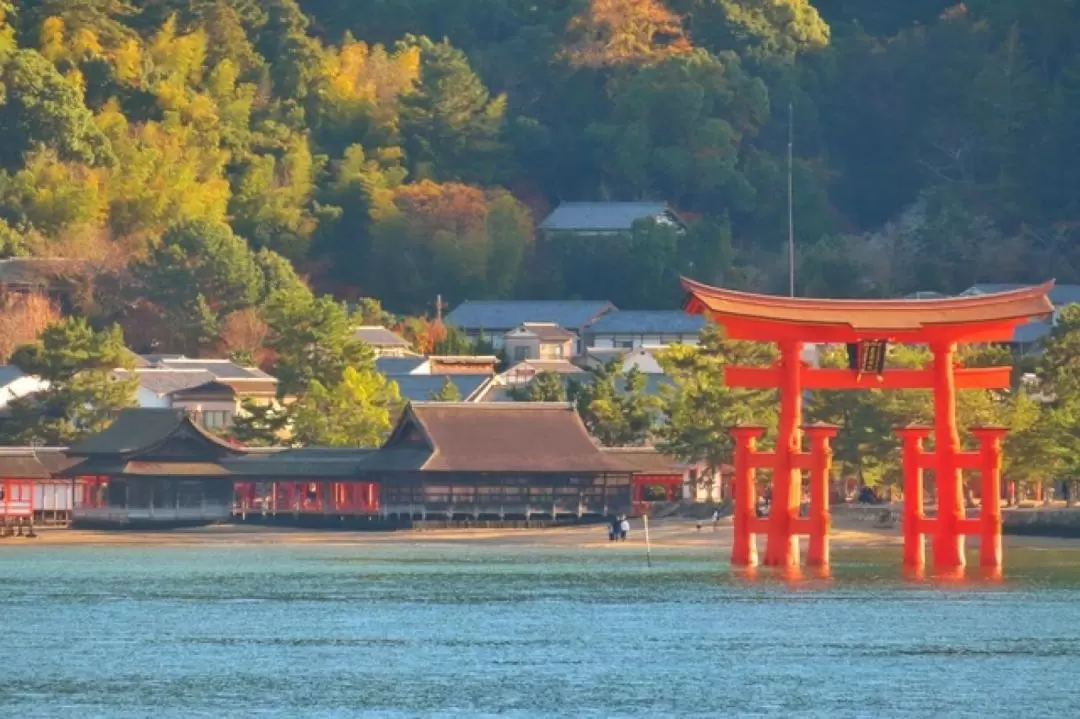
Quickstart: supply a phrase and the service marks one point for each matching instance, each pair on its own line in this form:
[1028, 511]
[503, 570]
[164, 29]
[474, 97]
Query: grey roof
[504, 315]
[219, 368]
[37, 271]
[546, 331]
[420, 387]
[648, 322]
[397, 366]
[139, 429]
[378, 336]
[601, 216]
[1032, 332]
[1060, 295]
[166, 381]
[9, 373]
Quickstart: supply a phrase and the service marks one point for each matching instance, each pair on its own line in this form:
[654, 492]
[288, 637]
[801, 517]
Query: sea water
[408, 630]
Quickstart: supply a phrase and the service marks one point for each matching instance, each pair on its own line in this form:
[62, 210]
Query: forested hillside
[399, 149]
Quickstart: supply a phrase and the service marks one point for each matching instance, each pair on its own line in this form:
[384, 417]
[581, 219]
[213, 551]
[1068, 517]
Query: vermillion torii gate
[867, 325]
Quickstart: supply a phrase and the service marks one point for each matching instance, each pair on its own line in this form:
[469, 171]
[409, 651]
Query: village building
[491, 320]
[446, 461]
[31, 488]
[384, 342]
[523, 373]
[539, 340]
[606, 218]
[631, 329]
[213, 390]
[642, 359]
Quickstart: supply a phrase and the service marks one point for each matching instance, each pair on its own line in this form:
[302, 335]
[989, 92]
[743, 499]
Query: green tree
[313, 341]
[1059, 374]
[358, 411]
[83, 396]
[449, 392]
[42, 110]
[451, 124]
[699, 409]
[199, 272]
[544, 387]
[615, 407]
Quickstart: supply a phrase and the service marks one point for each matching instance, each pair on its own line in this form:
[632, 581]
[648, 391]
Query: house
[643, 328]
[606, 218]
[658, 477]
[445, 461]
[1028, 337]
[30, 490]
[539, 340]
[524, 372]
[492, 319]
[50, 276]
[214, 390]
[14, 383]
[384, 342]
[643, 359]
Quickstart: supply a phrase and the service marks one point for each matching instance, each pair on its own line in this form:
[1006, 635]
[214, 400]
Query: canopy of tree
[200, 151]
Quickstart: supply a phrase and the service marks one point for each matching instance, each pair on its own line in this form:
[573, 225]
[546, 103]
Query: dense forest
[196, 152]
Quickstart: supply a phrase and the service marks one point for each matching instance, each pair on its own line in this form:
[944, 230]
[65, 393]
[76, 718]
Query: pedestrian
[613, 528]
[624, 528]
[715, 519]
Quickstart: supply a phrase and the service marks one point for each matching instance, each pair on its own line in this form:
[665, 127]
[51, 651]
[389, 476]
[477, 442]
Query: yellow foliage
[625, 32]
[86, 43]
[181, 56]
[51, 44]
[128, 61]
[366, 80]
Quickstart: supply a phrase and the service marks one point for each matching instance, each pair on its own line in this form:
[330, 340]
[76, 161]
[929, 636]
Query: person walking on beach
[715, 519]
[613, 528]
[624, 528]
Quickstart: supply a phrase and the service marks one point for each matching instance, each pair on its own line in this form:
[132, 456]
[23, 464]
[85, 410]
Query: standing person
[613, 528]
[624, 528]
[715, 518]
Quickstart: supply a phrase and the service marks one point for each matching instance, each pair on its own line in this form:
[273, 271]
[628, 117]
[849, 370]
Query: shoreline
[665, 535]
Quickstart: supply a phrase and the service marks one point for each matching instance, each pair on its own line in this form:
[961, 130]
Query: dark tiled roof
[394, 366]
[37, 271]
[304, 462]
[420, 387]
[377, 336]
[504, 315]
[166, 381]
[141, 429]
[647, 460]
[33, 462]
[601, 216]
[137, 468]
[507, 437]
[651, 322]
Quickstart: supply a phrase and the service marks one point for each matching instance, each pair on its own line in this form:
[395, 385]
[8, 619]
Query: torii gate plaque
[867, 325]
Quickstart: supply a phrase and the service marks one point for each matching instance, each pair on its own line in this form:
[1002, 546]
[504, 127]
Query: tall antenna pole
[791, 199]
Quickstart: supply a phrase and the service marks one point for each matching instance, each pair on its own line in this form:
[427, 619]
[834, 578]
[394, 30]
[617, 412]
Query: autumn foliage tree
[22, 319]
[625, 32]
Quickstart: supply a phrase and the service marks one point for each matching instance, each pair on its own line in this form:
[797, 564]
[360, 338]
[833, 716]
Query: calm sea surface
[435, 630]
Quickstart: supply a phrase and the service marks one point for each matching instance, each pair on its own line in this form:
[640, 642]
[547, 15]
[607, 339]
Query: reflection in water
[322, 631]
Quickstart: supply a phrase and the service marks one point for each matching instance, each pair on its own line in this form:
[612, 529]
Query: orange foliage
[625, 32]
[22, 318]
[423, 333]
[244, 332]
[431, 209]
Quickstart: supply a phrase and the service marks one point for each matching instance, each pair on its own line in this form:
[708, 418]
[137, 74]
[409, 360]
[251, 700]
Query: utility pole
[791, 198]
[439, 307]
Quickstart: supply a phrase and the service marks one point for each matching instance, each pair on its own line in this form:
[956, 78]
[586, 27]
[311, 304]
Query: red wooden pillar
[913, 437]
[990, 448]
[821, 467]
[744, 545]
[948, 539]
[782, 548]
[372, 497]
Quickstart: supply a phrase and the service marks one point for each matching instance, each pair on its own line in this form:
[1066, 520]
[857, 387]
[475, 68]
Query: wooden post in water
[648, 544]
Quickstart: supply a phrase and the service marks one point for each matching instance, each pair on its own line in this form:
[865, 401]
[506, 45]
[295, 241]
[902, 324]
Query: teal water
[434, 630]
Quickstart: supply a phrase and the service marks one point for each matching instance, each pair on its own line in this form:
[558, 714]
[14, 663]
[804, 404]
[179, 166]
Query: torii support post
[949, 537]
[990, 438]
[820, 436]
[782, 547]
[914, 521]
[744, 544]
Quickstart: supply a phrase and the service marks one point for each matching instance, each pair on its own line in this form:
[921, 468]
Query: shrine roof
[893, 317]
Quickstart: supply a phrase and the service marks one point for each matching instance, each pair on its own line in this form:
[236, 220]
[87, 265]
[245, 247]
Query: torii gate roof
[770, 318]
